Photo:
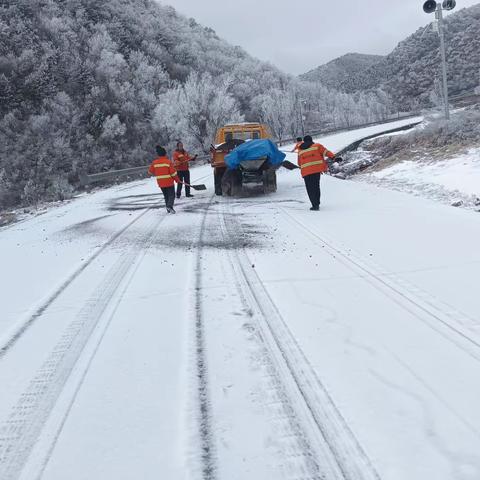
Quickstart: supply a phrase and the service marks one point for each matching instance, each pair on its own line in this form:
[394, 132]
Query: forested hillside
[410, 74]
[80, 81]
[93, 85]
[342, 73]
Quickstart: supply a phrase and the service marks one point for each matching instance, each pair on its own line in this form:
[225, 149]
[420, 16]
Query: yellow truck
[231, 182]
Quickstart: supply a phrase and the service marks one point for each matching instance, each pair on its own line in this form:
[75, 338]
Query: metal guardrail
[465, 99]
[316, 133]
[104, 176]
[88, 179]
[353, 146]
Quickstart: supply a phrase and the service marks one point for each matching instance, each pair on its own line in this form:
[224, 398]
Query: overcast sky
[298, 35]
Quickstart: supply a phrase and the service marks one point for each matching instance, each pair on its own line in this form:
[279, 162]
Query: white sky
[299, 35]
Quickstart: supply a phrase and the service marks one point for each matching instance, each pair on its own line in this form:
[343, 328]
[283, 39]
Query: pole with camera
[431, 6]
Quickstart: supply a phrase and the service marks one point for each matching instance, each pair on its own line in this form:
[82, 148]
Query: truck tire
[270, 181]
[218, 176]
[232, 183]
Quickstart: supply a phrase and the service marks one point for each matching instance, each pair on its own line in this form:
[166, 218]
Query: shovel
[195, 187]
[290, 166]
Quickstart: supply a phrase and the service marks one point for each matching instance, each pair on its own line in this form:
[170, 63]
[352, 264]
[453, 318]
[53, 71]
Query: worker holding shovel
[166, 174]
[312, 160]
[313, 163]
[181, 160]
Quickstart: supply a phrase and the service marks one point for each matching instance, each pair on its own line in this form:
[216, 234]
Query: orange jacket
[181, 160]
[164, 171]
[313, 159]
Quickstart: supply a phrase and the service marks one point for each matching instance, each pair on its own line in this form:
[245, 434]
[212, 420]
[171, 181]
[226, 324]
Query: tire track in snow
[297, 449]
[19, 433]
[338, 453]
[406, 295]
[208, 461]
[12, 338]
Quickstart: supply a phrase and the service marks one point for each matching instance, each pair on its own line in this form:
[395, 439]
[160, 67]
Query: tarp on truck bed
[253, 150]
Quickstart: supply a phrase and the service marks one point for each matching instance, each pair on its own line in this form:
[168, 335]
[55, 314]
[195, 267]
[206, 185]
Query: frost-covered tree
[281, 111]
[194, 111]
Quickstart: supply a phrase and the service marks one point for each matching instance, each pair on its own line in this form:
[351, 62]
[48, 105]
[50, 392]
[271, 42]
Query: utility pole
[431, 6]
[301, 116]
[441, 33]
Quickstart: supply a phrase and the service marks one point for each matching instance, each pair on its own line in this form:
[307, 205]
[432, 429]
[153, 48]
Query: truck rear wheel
[232, 183]
[218, 175]
[270, 181]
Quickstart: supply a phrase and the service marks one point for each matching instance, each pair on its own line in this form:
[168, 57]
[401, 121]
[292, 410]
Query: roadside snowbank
[461, 174]
[455, 181]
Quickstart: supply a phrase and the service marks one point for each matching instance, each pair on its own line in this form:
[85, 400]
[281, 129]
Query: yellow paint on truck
[239, 131]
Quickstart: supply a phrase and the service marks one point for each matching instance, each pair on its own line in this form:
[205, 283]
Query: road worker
[181, 161]
[299, 141]
[312, 160]
[164, 171]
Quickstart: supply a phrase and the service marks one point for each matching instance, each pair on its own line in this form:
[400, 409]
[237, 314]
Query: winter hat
[161, 152]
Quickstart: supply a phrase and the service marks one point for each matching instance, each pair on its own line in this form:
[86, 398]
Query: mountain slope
[410, 72]
[341, 73]
[80, 81]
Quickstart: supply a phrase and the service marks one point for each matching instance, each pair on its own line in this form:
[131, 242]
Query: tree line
[93, 85]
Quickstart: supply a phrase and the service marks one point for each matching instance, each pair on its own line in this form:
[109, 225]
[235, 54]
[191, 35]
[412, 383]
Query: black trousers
[169, 196]
[184, 176]
[312, 182]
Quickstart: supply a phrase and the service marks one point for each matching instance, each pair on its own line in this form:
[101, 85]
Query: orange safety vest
[164, 171]
[313, 159]
[180, 160]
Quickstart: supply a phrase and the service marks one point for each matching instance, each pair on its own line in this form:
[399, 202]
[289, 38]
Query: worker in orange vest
[312, 160]
[181, 161]
[297, 145]
[164, 171]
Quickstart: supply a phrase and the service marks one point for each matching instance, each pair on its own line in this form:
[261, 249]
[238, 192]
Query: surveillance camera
[449, 4]
[430, 6]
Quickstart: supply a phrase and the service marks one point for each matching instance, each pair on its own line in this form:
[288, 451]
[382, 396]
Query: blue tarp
[254, 150]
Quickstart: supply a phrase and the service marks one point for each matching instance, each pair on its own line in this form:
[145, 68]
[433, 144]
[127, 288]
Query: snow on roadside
[453, 181]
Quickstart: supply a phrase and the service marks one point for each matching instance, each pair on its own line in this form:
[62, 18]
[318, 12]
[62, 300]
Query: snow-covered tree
[195, 110]
[281, 111]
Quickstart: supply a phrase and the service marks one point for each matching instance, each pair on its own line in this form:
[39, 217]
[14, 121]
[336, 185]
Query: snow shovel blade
[199, 187]
[289, 165]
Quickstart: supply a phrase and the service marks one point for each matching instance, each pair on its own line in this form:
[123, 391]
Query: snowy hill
[342, 73]
[82, 84]
[408, 73]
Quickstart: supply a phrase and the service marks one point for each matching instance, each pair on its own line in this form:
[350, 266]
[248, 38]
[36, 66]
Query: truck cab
[228, 138]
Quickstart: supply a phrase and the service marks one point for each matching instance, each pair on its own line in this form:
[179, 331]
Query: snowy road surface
[242, 338]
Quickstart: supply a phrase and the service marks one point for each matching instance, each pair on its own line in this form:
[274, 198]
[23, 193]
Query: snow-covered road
[242, 338]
